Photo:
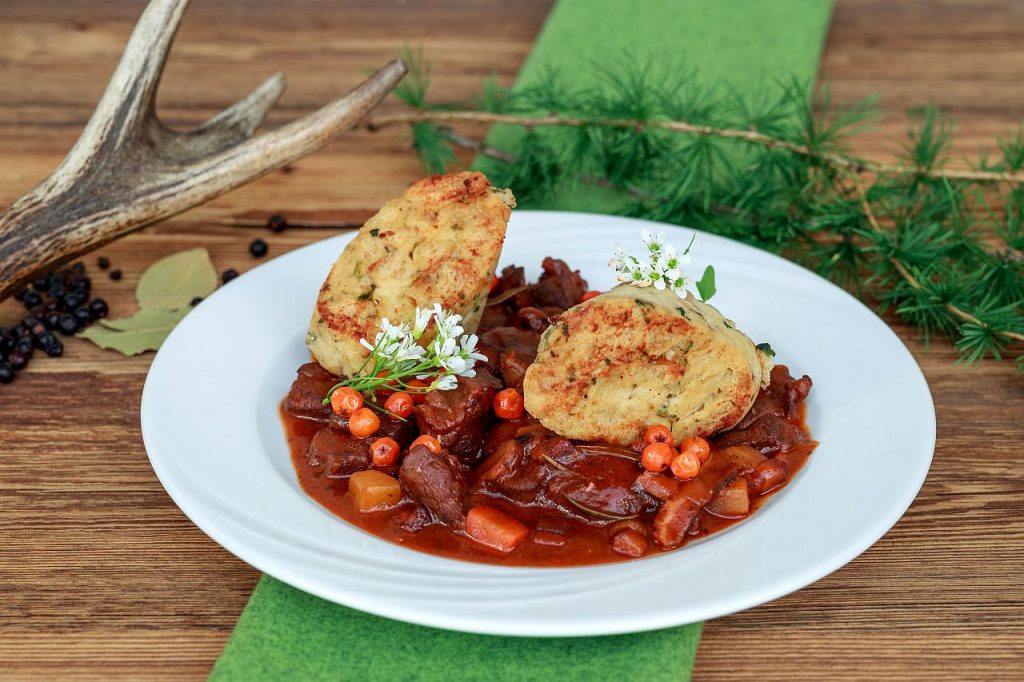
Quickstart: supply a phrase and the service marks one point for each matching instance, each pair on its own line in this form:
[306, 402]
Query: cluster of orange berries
[659, 455]
[363, 422]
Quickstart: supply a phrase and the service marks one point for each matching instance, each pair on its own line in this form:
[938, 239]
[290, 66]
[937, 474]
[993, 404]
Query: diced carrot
[495, 528]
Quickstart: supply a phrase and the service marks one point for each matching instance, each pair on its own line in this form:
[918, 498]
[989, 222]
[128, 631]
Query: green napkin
[284, 633]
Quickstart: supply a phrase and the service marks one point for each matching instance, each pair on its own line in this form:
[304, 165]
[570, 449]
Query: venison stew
[510, 490]
[483, 417]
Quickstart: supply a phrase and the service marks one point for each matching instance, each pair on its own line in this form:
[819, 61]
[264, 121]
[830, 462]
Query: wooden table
[102, 576]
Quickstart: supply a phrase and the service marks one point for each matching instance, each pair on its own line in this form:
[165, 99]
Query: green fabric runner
[284, 633]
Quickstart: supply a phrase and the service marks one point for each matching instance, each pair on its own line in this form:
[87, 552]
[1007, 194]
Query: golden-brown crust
[630, 358]
[437, 243]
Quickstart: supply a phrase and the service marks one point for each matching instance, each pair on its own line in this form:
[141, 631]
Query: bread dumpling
[437, 243]
[632, 357]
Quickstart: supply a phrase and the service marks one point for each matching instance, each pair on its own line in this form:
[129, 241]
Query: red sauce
[583, 542]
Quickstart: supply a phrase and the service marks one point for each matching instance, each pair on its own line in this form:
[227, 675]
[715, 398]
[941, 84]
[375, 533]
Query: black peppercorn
[83, 314]
[68, 324]
[18, 360]
[116, 275]
[277, 223]
[196, 301]
[98, 308]
[6, 373]
[103, 262]
[258, 248]
[228, 275]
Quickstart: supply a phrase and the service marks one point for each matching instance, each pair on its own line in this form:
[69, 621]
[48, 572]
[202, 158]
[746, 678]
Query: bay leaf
[172, 282]
[143, 331]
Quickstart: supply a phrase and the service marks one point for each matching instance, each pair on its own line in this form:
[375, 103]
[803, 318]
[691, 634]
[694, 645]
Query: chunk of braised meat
[458, 418]
[764, 427]
[629, 542]
[559, 285]
[416, 519]
[512, 473]
[659, 486]
[306, 396]
[436, 481]
[338, 454]
[600, 484]
[779, 398]
[677, 514]
[403, 431]
[515, 349]
[769, 434]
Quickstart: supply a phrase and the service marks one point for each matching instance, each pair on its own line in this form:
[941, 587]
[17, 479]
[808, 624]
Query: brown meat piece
[516, 349]
[416, 519]
[305, 398]
[658, 486]
[677, 513]
[629, 542]
[436, 482]
[769, 434]
[602, 484]
[458, 418]
[796, 391]
[559, 286]
[337, 453]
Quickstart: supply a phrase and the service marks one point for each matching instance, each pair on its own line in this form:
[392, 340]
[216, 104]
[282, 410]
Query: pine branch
[771, 170]
[839, 161]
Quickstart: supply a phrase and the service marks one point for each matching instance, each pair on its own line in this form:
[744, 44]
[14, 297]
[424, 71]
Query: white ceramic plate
[210, 423]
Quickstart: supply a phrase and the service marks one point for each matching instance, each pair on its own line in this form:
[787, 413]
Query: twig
[752, 136]
[908, 276]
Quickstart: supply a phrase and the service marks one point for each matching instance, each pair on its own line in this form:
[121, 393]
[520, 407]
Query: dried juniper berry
[116, 275]
[83, 314]
[80, 283]
[19, 295]
[78, 268]
[18, 360]
[44, 340]
[68, 324]
[41, 284]
[103, 262]
[228, 275]
[98, 308]
[23, 346]
[54, 349]
[6, 373]
[277, 223]
[52, 319]
[196, 301]
[74, 299]
[258, 248]
[31, 299]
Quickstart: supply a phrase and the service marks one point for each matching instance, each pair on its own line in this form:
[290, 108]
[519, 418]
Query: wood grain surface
[102, 577]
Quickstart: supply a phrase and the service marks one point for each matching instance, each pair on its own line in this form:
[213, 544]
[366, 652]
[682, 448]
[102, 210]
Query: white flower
[444, 383]
[663, 268]
[420, 322]
[447, 323]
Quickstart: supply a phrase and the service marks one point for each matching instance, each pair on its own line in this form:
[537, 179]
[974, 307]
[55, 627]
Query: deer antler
[128, 170]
